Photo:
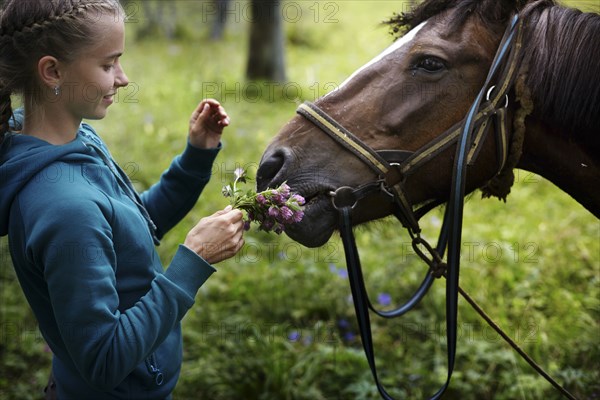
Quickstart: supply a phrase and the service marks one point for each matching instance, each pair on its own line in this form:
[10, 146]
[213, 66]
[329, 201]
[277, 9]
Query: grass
[276, 322]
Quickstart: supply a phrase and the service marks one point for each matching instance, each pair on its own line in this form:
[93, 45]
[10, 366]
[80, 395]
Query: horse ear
[511, 6]
[520, 4]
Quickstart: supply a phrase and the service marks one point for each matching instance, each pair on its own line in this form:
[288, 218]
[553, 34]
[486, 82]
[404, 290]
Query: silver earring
[56, 90]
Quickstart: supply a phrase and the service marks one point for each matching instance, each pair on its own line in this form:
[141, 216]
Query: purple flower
[298, 199]
[286, 214]
[260, 199]
[240, 175]
[341, 272]
[267, 225]
[349, 336]
[284, 189]
[298, 215]
[294, 336]
[278, 199]
[385, 299]
[273, 212]
[343, 324]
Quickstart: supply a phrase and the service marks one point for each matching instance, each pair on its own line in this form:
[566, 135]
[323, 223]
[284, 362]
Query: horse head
[419, 88]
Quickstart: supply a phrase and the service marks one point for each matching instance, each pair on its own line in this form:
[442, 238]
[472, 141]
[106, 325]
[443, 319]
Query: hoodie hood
[21, 158]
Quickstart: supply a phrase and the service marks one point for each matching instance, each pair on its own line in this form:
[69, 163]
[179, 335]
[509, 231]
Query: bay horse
[472, 90]
[424, 83]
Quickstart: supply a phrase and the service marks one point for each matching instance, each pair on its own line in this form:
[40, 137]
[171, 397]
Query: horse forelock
[491, 13]
[561, 55]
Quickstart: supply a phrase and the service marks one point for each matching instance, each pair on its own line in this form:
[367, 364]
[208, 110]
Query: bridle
[393, 166]
[487, 112]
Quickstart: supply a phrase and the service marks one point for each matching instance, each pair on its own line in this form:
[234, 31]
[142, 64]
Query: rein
[393, 166]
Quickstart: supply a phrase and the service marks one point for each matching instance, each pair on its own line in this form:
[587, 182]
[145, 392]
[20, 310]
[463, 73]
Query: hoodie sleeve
[71, 238]
[179, 187]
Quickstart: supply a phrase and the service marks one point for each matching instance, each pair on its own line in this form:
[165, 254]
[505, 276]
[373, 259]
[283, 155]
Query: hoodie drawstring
[125, 184]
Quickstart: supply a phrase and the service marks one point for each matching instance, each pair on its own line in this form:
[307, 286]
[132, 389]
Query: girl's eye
[108, 67]
[430, 64]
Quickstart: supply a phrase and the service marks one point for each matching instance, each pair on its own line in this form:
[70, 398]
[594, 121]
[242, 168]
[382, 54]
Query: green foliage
[277, 322]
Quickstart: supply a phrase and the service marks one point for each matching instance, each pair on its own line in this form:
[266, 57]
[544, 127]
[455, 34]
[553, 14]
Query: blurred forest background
[277, 322]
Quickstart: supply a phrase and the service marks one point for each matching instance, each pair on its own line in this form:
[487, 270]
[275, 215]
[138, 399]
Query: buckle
[489, 93]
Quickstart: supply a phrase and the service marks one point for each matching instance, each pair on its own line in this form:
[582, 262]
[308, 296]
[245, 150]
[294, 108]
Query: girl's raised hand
[207, 123]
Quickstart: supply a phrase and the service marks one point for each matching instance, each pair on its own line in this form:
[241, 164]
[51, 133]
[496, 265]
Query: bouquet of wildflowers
[272, 209]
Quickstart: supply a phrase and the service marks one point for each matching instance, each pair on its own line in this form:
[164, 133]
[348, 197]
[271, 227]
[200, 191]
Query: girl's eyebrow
[113, 56]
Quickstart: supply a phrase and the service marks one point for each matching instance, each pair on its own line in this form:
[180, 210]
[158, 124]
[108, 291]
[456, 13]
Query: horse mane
[559, 54]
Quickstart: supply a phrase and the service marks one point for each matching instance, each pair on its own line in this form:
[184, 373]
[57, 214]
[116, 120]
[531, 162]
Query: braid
[5, 113]
[32, 29]
[499, 186]
[58, 12]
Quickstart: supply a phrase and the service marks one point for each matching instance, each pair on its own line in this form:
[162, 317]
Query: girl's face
[91, 81]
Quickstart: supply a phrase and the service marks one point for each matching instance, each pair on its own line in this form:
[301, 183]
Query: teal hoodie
[83, 247]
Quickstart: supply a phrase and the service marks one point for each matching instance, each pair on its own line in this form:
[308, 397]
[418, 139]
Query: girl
[81, 239]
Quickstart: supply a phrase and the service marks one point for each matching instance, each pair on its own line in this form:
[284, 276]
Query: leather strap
[454, 210]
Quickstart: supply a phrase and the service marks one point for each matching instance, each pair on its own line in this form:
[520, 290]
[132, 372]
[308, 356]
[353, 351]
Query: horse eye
[431, 64]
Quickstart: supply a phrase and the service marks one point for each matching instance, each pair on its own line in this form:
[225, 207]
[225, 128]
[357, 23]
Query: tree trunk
[266, 54]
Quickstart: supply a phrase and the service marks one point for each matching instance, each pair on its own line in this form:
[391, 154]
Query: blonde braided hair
[57, 12]
[32, 29]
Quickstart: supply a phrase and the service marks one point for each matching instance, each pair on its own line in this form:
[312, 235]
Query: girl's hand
[207, 123]
[217, 237]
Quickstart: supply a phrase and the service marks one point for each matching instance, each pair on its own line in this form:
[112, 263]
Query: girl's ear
[48, 69]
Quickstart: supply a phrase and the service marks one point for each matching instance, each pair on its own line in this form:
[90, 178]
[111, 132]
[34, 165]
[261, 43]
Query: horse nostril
[270, 167]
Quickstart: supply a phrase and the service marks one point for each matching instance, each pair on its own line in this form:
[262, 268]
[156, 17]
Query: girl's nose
[121, 79]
